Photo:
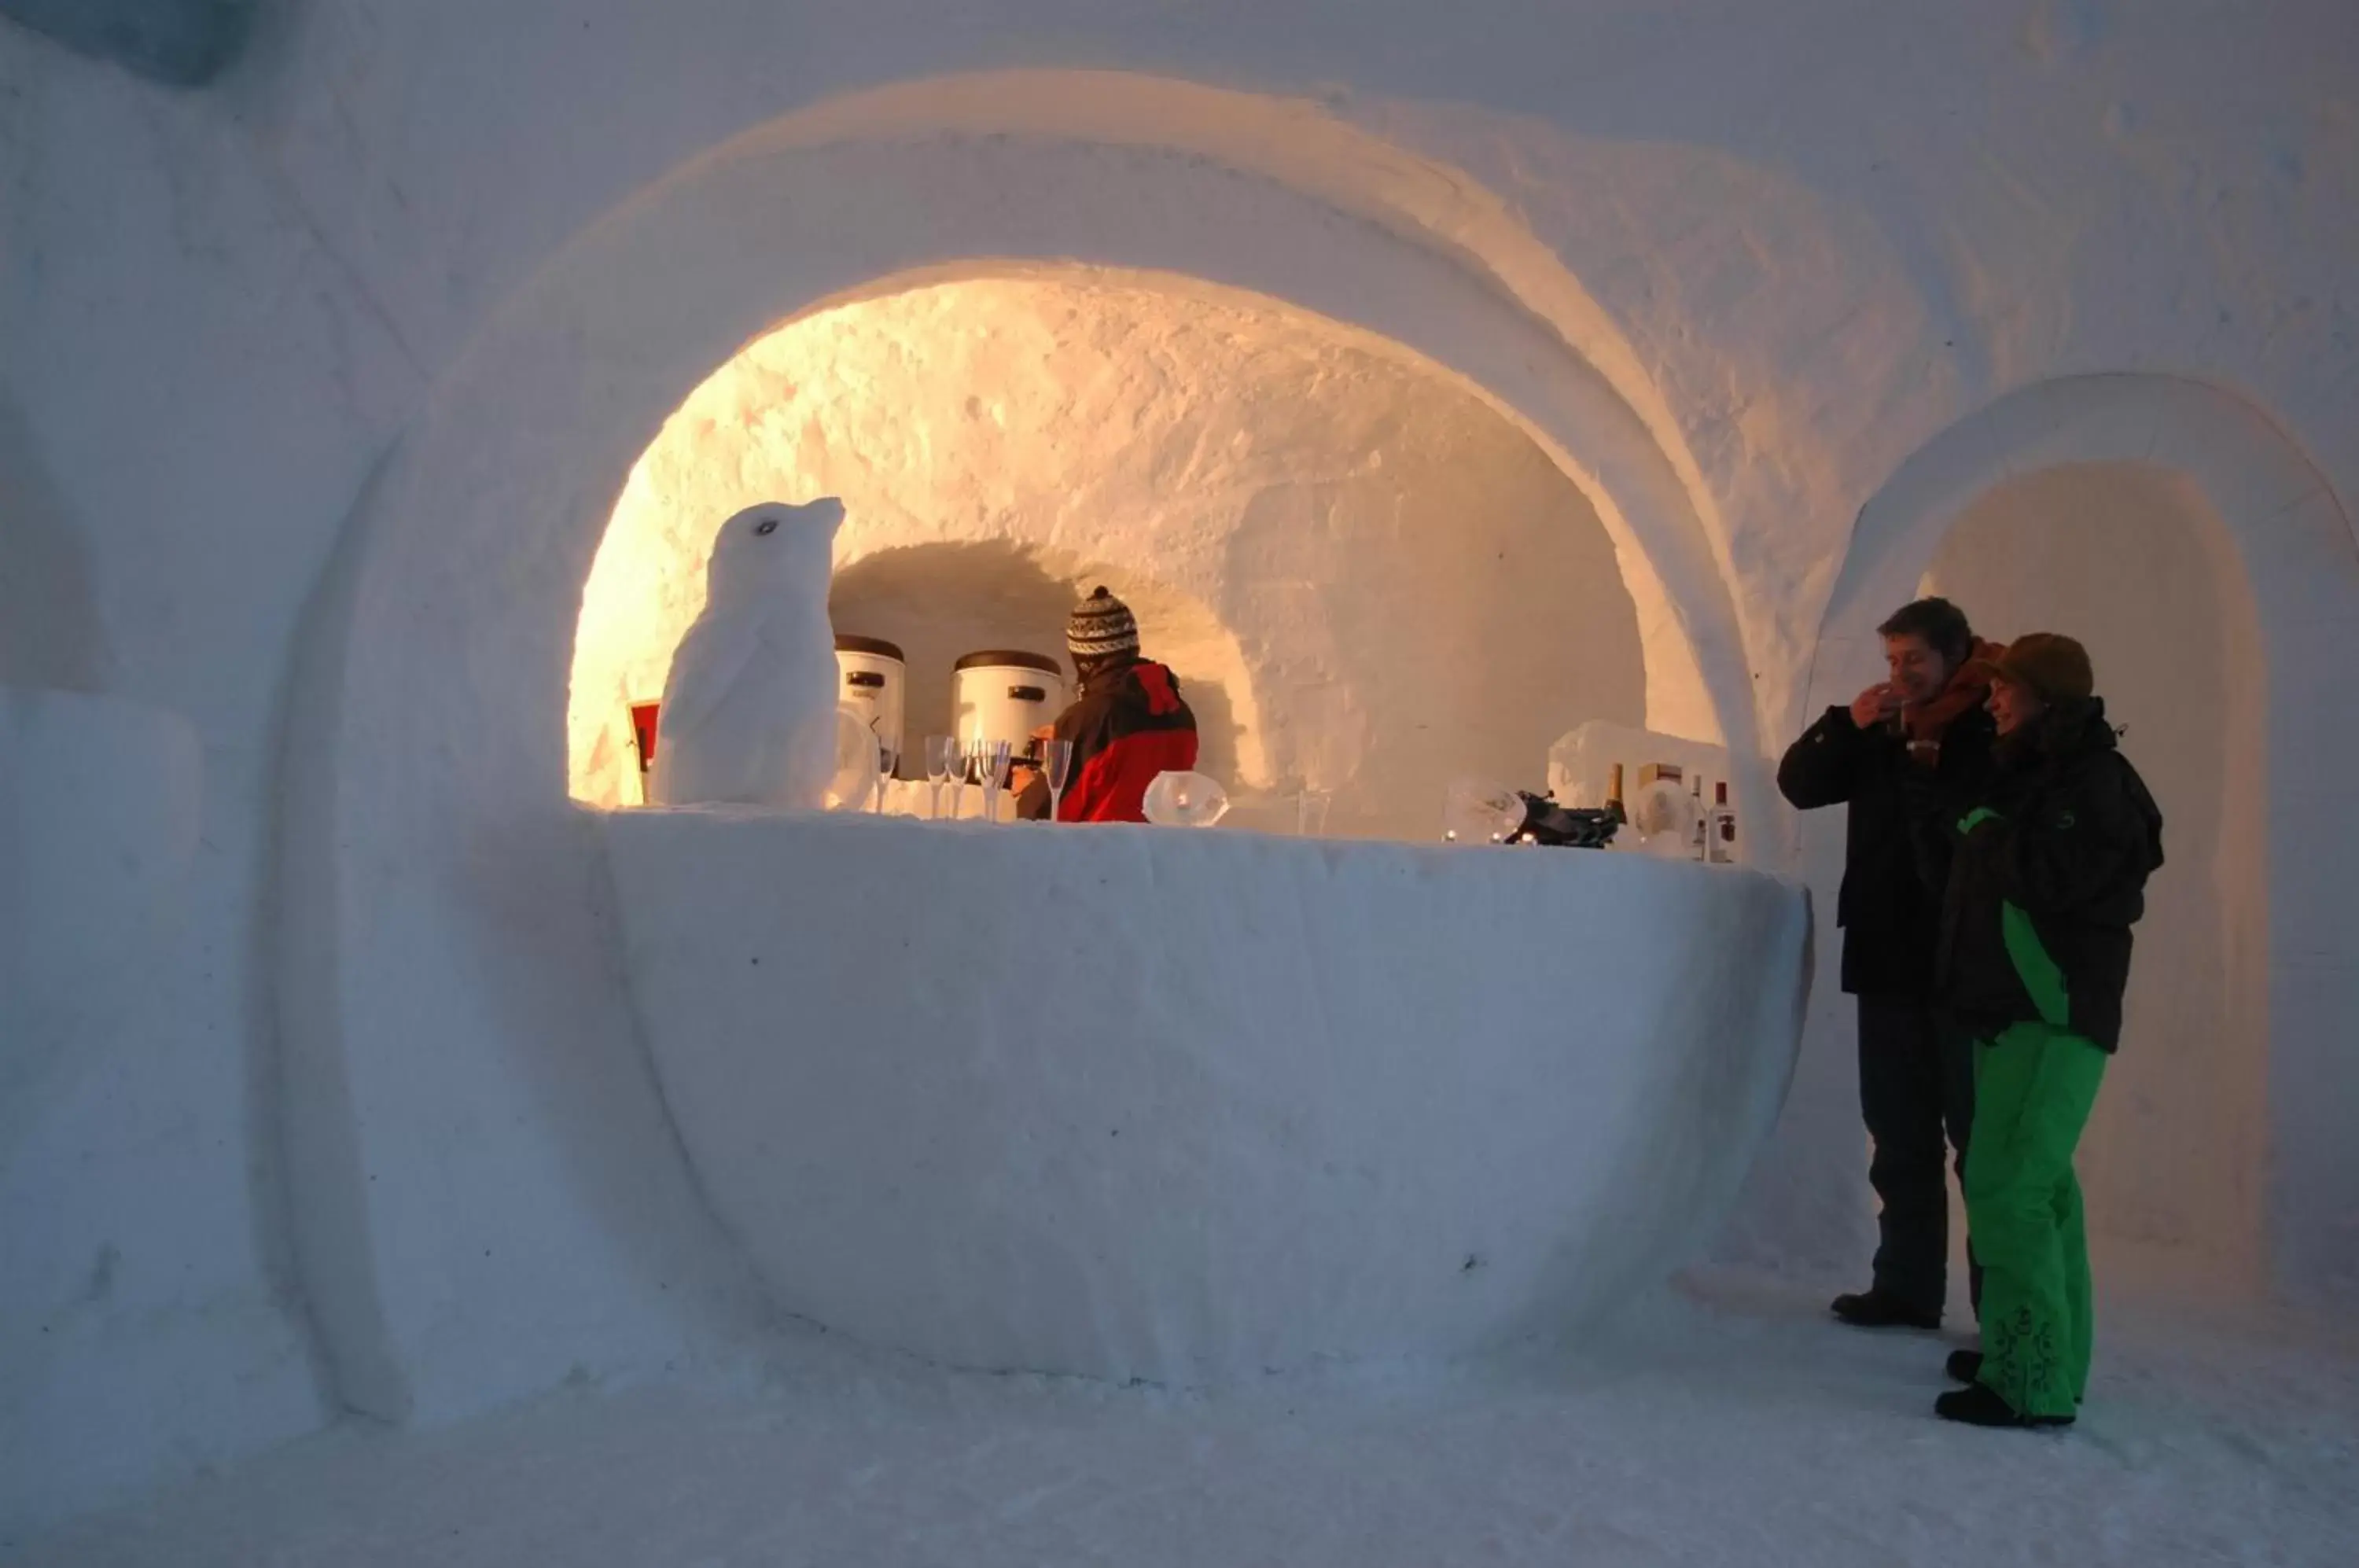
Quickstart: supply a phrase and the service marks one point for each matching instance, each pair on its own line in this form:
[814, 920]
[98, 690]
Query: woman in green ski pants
[2044, 881]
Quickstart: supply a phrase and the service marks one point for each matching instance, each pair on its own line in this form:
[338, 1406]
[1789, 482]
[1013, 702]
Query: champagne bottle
[1613, 795]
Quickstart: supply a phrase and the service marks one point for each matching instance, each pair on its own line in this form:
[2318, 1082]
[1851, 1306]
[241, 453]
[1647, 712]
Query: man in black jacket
[2046, 875]
[1904, 752]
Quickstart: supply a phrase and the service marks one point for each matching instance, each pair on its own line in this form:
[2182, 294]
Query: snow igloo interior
[1423, 411]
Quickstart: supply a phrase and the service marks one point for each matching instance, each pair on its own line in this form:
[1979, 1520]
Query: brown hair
[1941, 624]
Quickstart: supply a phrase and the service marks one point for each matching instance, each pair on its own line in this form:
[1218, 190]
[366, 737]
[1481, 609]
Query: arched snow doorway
[2131, 558]
[2160, 458]
[487, 1194]
[1366, 579]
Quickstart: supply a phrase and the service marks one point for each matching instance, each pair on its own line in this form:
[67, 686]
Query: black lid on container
[847, 643]
[1008, 658]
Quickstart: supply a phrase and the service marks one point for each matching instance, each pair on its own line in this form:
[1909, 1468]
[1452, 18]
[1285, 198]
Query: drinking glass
[1185, 799]
[962, 759]
[941, 750]
[1311, 813]
[991, 772]
[1056, 771]
[887, 760]
[1476, 810]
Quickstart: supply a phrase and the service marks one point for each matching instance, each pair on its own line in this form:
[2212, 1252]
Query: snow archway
[2292, 551]
[488, 1194]
[2132, 561]
[1368, 580]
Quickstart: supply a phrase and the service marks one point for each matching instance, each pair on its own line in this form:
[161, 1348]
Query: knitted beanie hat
[1101, 628]
[2053, 665]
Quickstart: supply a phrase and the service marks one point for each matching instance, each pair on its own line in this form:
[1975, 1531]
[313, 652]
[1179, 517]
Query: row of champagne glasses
[986, 762]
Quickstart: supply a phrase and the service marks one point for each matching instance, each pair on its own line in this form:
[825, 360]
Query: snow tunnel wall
[1799, 247]
[1363, 576]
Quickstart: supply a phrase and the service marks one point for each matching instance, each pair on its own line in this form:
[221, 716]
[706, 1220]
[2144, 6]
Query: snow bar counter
[1190, 1108]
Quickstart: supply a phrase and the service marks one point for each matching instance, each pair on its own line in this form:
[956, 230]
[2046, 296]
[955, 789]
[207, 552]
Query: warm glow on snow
[1363, 575]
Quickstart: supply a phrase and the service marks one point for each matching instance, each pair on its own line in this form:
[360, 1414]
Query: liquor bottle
[1724, 826]
[1700, 829]
[1613, 795]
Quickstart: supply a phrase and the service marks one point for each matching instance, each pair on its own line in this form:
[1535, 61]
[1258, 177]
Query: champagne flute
[1311, 812]
[941, 751]
[990, 765]
[959, 760]
[887, 760]
[1056, 767]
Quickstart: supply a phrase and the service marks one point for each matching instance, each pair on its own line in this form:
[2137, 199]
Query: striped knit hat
[1101, 628]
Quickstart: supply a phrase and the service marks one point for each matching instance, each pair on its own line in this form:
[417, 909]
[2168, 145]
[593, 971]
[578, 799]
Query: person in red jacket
[1127, 723]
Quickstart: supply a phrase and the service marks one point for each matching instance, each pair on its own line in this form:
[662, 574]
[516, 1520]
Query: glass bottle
[1724, 826]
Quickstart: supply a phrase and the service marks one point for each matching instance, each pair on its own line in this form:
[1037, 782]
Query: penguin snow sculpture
[748, 713]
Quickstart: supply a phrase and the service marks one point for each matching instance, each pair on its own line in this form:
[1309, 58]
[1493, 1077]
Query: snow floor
[1729, 1422]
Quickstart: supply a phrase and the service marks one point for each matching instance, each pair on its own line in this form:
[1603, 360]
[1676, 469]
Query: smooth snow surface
[1196, 1106]
[1736, 1426]
[103, 807]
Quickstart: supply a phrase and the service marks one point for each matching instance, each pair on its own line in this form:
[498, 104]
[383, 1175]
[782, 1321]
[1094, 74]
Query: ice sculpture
[749, 709]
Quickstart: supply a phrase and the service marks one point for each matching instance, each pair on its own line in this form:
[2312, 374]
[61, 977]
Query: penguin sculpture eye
[766, 525]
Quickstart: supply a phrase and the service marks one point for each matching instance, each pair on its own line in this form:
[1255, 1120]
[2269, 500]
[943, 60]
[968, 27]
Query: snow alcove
[1148, 1105]
[1366, 578]
[2209, 568]
[2136, 559]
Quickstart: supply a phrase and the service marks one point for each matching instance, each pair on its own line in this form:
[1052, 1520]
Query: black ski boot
[1981, 1406]
[1874, 1308]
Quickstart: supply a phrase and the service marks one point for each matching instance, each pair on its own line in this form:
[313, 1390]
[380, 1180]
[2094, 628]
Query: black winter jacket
[2044, 880]
[1890, 915]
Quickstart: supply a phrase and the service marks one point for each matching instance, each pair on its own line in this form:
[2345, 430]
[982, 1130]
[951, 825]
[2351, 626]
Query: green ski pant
[2034, 1087]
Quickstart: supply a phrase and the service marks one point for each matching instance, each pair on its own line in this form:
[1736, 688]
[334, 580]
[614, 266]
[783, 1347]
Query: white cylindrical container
[1000, 694]
[874, 684]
